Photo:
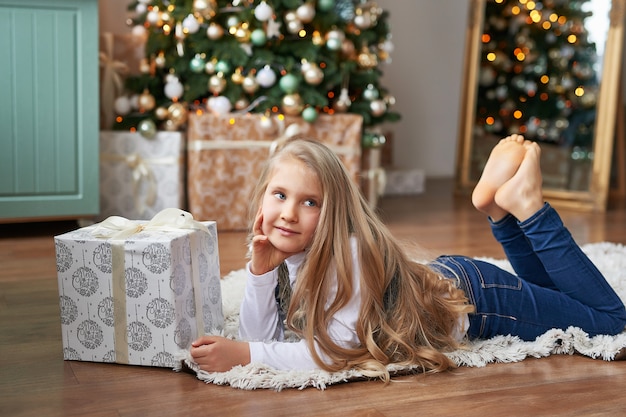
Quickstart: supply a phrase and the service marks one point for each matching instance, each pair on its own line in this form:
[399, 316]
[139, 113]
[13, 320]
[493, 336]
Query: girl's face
[291, 206]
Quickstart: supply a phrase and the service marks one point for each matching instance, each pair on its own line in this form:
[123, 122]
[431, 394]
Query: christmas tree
[292, 57]
[538, 72]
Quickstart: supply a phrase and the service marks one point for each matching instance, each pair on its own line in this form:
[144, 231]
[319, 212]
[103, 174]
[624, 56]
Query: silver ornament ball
[378, 108]
[147, 129]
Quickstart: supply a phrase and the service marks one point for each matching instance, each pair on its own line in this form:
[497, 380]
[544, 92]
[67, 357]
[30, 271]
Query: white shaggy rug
[610, 258]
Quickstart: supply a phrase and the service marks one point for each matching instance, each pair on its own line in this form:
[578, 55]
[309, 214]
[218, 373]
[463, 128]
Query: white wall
[424, 76]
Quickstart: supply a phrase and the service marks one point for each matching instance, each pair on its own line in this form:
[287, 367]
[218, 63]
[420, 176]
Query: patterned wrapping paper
[225, 155]
[138, 300]
[139, 177]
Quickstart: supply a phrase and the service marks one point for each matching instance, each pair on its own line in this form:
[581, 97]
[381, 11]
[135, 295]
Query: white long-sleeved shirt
[260, 324]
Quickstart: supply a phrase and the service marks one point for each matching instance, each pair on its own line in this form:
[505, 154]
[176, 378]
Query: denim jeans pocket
[472, 275]
[487, 287]
[491, 276]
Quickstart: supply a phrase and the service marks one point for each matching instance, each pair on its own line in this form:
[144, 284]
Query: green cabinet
[49, 112]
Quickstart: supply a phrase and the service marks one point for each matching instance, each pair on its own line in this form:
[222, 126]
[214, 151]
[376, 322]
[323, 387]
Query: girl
[325, 266]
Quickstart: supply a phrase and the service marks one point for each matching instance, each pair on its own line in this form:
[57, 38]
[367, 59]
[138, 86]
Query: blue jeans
[555, 286]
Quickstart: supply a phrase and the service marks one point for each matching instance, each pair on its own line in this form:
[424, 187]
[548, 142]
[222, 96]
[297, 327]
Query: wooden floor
[35, 381]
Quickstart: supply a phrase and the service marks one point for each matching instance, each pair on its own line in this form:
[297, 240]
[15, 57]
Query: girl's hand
[265, 257]
[219, 354]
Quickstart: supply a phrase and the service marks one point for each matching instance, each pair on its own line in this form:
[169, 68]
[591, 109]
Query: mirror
[550, 70]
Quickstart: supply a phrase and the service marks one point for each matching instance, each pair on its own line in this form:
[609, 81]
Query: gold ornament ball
[161, 113]
[317, 39]
[217, 83]
[292, 104]
[366, 59]
[237, 77]
[214, 31]
[313, 75]
[146, 101]
[242, 34]
[249, 84]
[178, 113]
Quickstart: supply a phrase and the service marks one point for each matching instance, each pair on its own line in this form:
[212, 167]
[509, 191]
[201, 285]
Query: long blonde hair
[408, 312]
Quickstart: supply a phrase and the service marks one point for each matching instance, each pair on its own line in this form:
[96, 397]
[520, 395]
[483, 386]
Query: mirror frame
[595, 199]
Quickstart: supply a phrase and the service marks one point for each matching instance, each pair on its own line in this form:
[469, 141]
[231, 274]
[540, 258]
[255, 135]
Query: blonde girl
[323, 266]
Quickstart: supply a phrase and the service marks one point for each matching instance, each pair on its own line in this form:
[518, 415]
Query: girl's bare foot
[522, 195]
[504, 160]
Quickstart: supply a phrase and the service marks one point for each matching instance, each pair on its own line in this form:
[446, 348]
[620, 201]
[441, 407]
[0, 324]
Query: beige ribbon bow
[169, 219]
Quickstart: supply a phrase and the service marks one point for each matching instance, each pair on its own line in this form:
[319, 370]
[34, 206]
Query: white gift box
[140, 295]
[139, 177]
[404, 182]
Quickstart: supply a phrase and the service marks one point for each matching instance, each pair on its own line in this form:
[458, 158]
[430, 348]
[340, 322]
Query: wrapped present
[137, 292]
[225, 155]
[140, 177]
[404, 182]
